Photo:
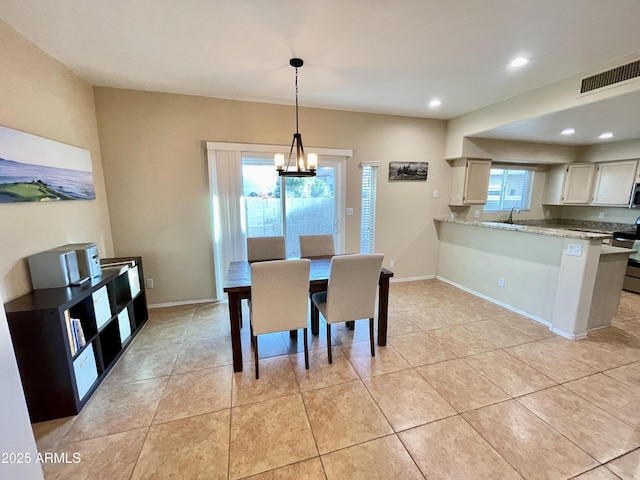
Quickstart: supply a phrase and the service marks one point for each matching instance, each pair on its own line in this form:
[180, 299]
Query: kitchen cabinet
[614, 181]
[569, 184]
[469, 181]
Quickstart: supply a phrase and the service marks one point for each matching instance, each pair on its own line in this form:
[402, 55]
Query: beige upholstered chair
[265, 248]
[316, 245]
[351, 293]
[279, 300]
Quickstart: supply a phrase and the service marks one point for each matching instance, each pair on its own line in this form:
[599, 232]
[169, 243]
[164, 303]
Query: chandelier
[305, 164]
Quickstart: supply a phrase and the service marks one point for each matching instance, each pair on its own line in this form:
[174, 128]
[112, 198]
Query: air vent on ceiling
[615, 75]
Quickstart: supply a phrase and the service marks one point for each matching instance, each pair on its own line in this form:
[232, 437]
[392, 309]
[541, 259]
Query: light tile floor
[463, 390]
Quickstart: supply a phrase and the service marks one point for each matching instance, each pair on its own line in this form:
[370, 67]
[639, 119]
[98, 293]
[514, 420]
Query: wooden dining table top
[239, 274]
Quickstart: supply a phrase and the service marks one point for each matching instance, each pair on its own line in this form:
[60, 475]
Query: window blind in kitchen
[509, 188]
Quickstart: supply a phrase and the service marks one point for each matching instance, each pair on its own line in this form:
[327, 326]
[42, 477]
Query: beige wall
[625, 150]
[15, 425]
[555, 97]
[519, 152]
[156, 174]
[541, 279]
[155, 170]
[475, 257]
[41, 97]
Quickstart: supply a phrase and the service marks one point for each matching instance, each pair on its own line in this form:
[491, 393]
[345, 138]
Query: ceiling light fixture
[606, 135]
[568, 131]
[519, 62]
[306, 165]
[435, 103]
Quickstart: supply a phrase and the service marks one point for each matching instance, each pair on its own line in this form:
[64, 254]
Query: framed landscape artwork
[408, 170]
[36, 169]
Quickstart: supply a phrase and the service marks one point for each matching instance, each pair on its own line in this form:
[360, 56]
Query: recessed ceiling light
[568, 131]
[519, 62]
[435, 103]
[606, 135]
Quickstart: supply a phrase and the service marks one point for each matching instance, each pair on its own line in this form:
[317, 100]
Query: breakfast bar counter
[553, 231]
[566, 279]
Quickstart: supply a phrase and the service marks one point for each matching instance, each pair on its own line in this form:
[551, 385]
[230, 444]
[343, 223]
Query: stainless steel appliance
[88, 258]
[634, 202]
[627, 240]
[53, 269]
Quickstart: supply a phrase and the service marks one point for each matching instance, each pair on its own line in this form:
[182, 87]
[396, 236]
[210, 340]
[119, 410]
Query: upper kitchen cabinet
[569, 184]
[469, 181]
[614, 181]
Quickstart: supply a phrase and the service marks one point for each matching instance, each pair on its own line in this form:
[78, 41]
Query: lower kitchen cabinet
[66, 340]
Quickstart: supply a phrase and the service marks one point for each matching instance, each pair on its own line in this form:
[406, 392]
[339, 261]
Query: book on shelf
[117, 267]
[79, 333]
[123, 263]
[75, 333]
[70, 335]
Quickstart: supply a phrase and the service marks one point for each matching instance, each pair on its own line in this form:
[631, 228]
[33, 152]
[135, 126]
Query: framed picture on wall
[408, 170]
[36, 169]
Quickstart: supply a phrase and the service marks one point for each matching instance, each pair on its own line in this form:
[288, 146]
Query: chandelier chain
[297, 100]
[305, 166]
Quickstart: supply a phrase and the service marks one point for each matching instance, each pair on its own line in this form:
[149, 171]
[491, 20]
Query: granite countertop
[573, 227]
[608, 250]
[539, 230]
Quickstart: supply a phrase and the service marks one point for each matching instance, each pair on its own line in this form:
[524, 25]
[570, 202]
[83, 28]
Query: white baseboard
[570, 336]
[504, 305]
[411, 279]
[186, 302]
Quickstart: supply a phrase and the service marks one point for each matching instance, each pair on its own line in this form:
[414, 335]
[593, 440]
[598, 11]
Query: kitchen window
[509, 188]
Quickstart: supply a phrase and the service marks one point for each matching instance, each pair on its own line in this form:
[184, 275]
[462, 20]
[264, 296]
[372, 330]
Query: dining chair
[351, 292]
[320, 245]
[261, 249]
[265, 248]
[279, 300]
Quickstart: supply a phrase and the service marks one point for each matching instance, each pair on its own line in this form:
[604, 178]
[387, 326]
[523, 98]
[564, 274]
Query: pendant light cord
[297, 100]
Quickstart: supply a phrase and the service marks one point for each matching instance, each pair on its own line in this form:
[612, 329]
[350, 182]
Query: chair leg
[253, 338]
[315, 320]
[329, 341]
[350, 325]
[293, 334]
[255, 356]
[306, 351]
[373, 350]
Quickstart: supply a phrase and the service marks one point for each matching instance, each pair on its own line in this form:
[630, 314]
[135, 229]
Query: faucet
[510, 219]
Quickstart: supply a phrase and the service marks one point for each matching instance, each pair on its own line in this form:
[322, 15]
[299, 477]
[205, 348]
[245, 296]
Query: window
[288, 206]
[229, 220]
[509, 188]
[368, 218]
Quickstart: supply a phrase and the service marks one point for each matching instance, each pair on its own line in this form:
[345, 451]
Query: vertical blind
[368, 218]
[509, 188]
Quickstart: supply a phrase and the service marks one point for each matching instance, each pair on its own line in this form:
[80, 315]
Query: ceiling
[360, 55]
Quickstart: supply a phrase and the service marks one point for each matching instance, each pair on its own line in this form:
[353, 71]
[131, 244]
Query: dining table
[237, 285]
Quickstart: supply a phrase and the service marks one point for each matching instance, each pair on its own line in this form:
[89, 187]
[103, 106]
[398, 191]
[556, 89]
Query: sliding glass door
[290, 206]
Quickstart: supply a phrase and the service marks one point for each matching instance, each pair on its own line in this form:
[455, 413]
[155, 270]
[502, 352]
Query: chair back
[279, 295]
[265, 248]
[353, 280]
[321, 245]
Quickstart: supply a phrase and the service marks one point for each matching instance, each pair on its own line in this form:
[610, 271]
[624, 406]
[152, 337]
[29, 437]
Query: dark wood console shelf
[59, 368]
